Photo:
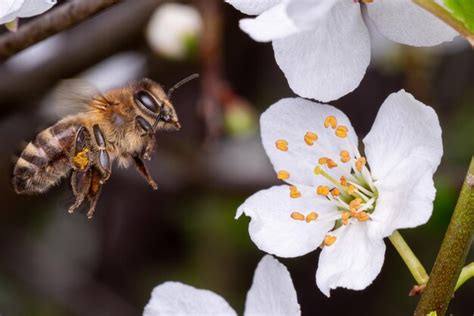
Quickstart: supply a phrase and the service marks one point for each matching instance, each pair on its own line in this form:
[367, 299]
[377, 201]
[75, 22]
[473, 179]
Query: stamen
[355, 203]
[282, 145]
[283, 175]
[311, 217]
[297, 216]
[343, 181]
[323, 160]
[362, 216]
[319, 171]
[322, 190]
[342, 131]
[310, 138]
[351, 189]
[345, 156]
[362, 189]
[294, 193]
[360, 163]
[345, 218]
[329, 240]
[331, 164]
[330, 121]
[335, 192]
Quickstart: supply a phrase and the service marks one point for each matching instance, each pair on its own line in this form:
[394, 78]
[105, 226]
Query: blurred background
[54, 263]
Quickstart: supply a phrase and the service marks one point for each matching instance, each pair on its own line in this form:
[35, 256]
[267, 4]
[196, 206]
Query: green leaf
[433, 313]
[463, 10]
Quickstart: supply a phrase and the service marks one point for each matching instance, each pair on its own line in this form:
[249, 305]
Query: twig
[447, 17]
[453, 252]
[51, 23]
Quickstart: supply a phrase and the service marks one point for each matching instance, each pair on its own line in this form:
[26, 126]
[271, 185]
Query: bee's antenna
[179, 84]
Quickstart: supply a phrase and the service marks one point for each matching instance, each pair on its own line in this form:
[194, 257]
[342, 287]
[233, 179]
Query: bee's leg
[81, 152]
[149, 132]
[80, 182]
[103, 156]
[94, 191]
[142, 169]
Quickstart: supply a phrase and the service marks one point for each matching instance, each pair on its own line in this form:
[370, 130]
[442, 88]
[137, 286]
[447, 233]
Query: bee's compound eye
[146, 100]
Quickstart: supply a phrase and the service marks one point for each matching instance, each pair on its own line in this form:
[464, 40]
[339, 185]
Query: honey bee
[117, 125]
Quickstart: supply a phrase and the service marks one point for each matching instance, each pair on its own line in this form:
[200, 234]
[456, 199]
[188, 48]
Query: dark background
[54, 263]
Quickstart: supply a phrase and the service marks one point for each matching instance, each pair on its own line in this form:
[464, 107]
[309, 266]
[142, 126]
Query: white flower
[272, 293]
[174, 30]
[323, 46]
[334, 198]
[13, 9]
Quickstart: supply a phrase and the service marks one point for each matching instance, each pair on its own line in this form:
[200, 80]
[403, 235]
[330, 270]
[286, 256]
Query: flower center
[350, 189]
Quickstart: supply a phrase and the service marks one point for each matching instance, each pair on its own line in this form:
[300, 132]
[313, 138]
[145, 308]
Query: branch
[446, 17]
[453, 252]
[51, 23]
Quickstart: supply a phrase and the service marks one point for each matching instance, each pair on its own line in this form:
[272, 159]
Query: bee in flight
[117, 125]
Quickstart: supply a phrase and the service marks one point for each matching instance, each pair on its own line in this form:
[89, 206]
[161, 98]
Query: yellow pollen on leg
[330, 121]
[311, 217]
[81, 160]
[329, 240]
[343, 181]
[282, 145]
[362, 216]
[297, 216]
[310, 138]
[345, 156]
[283, 175]
[322, 190]
[335, 192]
[294, 193]
[360, 163]
[342, 131]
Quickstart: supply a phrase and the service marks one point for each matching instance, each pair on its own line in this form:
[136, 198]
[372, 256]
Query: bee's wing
[72, 96]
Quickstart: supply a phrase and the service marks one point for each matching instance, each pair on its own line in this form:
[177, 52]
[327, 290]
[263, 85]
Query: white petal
[35, 7]
[272, 291]
[271, 24]
[405, 22]
[352, 262]
[329, 61]
[9, 10]
[174, 298]
[306, 13]
[290, 119]
[404, 129]
[274, 231]
[405, 198]
[253, 7]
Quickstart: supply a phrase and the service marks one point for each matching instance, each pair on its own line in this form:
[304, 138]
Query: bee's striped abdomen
[44, 161]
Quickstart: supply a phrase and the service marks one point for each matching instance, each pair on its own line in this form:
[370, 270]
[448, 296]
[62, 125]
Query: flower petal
[352, 262]
[329, 61]
[274, 231]
[9, 9]
[405, 198]
[404, 129]
[272, 291]
[306, 13]
[253, 7]
[405, 22]
[35, 7]
[174, 298]
[271, 24]
[289, 120]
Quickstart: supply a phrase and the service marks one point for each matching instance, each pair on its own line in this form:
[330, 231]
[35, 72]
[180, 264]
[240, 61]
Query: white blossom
[272, 293]
[337, 198]
[323, 46]
[13, 9]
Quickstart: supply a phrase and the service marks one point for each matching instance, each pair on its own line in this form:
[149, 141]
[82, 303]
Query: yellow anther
[329, 240]
[323, 160]
[331, 164]
[283, 175]
[282, 145]
[310, 138]
[360, 163]
[362, 216]
[330, 121]
[81, 160]
[351, 189]
[345, 156]
[322, 190]
[355, 203]
[294, 193]
[353, 212]
[341, 131]
[318, 170]
[335, 192]
[343, 181]
[297, 216]
[311, 217]
[345, 218]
